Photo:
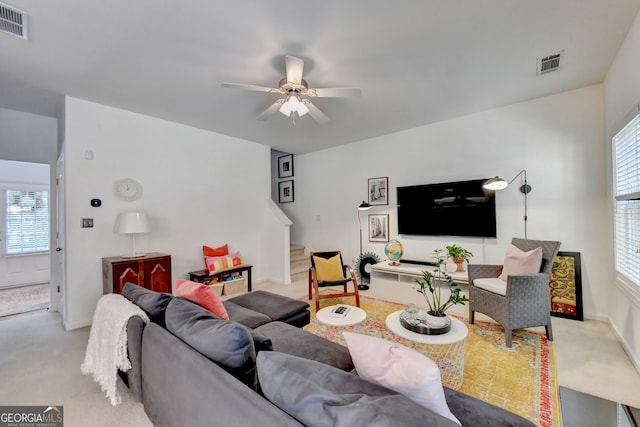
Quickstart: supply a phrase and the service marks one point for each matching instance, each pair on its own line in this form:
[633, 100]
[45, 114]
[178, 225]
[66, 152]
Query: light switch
[87, 222]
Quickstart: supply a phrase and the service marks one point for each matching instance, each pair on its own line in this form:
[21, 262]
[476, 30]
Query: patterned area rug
[521, 379]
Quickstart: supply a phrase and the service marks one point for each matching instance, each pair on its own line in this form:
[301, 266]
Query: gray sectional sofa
[191, 368]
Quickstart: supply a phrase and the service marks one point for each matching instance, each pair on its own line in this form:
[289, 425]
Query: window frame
[6, 188]
[627, 196]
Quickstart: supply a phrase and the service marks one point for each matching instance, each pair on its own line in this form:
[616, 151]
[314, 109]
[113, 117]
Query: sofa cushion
[227, 343]
[399, 368]
[153, 303]
[321, 395]
[247, 317]
[202, 295]
[477, 413]
[295, 341]
[277, 307]
[491, 284]
[261, 342]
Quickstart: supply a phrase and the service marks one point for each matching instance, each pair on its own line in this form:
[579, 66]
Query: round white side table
[447, 350]
[354, 316]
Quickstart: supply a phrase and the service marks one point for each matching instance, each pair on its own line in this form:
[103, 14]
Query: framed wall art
[565, 286]
[285, 166]
[378, 189]
[285, 191]
[379, 227]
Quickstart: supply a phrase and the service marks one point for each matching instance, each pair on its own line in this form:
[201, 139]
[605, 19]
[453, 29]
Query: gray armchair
[525, 302]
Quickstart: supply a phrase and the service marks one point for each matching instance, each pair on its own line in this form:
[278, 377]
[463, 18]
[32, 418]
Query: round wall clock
[127, 189]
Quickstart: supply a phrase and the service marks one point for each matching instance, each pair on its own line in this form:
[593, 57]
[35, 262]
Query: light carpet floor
[40, 365]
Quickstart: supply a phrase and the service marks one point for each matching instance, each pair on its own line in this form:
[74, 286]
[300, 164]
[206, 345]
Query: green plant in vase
[458, 255]
[432, 293]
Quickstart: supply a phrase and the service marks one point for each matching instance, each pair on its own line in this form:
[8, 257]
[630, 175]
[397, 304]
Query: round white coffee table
[354, 316]
[447, 350]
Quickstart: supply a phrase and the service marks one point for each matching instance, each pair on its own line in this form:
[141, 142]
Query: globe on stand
[393, 251]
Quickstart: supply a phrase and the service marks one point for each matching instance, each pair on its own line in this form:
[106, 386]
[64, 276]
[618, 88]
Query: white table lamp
[132, 223]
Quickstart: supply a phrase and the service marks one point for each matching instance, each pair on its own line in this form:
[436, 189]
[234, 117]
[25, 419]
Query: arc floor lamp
[364, 206]
[497, 183]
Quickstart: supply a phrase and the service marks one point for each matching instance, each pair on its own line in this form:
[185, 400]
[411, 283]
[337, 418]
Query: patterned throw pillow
[218, 263]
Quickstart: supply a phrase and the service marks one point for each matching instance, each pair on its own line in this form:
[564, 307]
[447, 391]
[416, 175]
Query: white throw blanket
[107, 347]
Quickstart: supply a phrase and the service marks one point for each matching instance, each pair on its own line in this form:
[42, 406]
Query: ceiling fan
[296, 91]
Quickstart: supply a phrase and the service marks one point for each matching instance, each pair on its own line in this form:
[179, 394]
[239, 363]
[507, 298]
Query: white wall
[558, 139]
[199, 188]
[622, 94]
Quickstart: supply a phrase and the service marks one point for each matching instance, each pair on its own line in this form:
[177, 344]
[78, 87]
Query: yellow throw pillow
[329, 269]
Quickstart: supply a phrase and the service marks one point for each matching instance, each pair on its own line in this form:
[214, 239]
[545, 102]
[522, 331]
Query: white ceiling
[416, 61]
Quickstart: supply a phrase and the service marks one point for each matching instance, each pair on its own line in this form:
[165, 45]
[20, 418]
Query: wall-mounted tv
[460, 208]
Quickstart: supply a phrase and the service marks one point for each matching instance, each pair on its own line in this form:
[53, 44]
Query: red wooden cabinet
[152, 271]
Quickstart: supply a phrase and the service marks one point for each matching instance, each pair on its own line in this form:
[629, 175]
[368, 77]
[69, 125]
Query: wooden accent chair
[317, 280]
[524, 301]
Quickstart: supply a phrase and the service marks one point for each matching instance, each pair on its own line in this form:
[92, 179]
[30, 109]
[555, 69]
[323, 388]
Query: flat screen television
[460, 208]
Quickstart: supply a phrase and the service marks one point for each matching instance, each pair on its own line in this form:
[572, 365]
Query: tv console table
[414, 271]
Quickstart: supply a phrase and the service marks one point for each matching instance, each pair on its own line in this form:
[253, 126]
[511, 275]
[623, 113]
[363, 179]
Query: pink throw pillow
[399, 368]
[517, 261]
[203, 296]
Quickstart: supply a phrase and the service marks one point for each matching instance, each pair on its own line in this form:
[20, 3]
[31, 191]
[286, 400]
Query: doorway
[24, 237]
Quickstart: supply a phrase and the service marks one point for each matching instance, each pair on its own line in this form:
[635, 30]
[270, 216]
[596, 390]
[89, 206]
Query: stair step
[299, 268]
[299, 263]
[299, 276]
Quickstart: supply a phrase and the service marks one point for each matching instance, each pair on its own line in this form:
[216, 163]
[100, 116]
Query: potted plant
[459, 255]
[432, 293]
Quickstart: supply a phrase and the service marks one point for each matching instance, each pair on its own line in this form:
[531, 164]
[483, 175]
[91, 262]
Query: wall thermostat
[96, 203]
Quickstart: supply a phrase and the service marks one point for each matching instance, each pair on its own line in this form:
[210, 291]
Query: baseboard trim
[69, 326]
[625, 346]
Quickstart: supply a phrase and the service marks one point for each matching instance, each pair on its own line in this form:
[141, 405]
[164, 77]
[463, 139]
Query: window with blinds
[626, 145]
[27, 221]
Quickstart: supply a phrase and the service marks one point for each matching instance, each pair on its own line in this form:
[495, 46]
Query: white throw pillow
[400, 369]
[517, 261]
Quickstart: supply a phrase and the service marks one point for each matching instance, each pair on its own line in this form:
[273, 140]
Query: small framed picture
[285, 191]
[379, 191]
[379, 227]
[285, 166]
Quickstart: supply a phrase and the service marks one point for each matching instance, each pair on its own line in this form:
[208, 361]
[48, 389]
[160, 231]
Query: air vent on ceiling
[549, 63]
[13, 21]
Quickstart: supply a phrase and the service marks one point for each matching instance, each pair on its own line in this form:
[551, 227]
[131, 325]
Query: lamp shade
[132, 223]
[364, 206]
[293, 103]
[495, 183]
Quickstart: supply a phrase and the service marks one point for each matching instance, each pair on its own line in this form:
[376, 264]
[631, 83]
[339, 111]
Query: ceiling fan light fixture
[293, 104]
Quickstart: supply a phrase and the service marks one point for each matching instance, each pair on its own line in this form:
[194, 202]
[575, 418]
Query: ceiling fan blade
[315, 113]
[250, 87]
[271, 109]
[295, 66]
[335, 92]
